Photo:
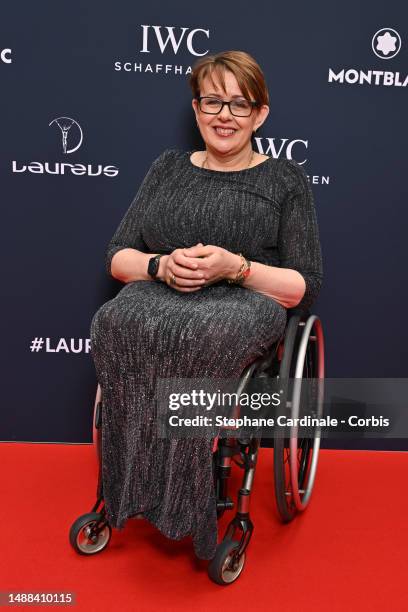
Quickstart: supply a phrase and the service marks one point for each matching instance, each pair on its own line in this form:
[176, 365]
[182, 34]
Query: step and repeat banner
[93, 92]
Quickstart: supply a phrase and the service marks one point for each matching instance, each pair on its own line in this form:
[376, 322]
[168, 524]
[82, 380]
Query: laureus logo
[71, 138]
[69, 127]
[386, 43]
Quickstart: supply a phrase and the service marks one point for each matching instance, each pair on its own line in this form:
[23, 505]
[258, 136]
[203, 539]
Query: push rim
[304, 452]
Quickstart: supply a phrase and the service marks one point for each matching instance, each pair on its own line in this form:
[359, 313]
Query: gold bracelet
[242, 273]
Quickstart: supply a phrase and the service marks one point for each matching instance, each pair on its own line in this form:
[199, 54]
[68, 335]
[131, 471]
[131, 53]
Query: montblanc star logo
[386, 43]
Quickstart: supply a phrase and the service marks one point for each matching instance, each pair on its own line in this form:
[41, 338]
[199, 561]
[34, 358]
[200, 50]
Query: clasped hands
[188, 270]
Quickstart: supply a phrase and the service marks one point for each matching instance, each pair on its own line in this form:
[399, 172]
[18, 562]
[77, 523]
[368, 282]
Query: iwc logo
[166, 41]
[294, 149]
[70, 139]
[385, 44]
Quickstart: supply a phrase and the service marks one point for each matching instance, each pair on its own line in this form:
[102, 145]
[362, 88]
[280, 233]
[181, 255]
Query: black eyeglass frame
[253, 104]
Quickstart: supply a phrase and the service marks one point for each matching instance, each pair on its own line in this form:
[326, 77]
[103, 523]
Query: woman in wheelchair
[214, 249]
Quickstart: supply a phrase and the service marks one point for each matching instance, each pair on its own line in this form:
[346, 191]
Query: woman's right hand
[181, 269]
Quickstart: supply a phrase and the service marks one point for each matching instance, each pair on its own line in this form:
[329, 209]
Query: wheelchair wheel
[226, 566]
[295, 459]
[86, 536]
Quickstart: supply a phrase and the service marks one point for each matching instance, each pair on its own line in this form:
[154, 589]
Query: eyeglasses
[240, 107]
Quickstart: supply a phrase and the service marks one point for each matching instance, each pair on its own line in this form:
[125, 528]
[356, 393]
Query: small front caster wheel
[226, 566]
[82, 534]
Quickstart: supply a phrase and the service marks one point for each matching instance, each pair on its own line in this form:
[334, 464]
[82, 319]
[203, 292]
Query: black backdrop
[114, 74]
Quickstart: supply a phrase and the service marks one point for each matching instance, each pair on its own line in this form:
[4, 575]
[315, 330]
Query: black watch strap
[153, 266]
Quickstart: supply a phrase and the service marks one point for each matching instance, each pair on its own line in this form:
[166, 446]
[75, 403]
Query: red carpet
[348, 551]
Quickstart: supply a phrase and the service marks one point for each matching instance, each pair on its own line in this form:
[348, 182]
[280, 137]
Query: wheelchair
[298, 355]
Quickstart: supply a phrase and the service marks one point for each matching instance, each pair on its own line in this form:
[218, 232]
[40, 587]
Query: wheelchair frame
[297, 355]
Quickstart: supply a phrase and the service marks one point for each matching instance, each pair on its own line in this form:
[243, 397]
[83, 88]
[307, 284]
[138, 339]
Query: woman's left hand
[215, 262]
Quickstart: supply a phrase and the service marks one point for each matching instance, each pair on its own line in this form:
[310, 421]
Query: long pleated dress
[151, 330]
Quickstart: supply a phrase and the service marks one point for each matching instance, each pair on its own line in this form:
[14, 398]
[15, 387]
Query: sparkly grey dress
[151, 330]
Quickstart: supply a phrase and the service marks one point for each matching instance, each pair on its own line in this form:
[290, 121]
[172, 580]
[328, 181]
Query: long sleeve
[298, 239]
[129, 232]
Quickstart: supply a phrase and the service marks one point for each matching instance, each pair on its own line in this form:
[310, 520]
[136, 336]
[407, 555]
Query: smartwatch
[153, 267]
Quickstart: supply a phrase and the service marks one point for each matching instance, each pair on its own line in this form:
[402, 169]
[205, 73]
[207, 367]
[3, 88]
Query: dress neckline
[209, 171]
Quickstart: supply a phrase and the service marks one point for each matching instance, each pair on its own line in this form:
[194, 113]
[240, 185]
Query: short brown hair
[246, 70]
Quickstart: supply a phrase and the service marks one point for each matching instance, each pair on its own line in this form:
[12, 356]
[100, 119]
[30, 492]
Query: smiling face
[225, 133]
